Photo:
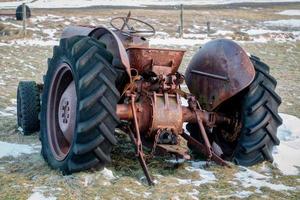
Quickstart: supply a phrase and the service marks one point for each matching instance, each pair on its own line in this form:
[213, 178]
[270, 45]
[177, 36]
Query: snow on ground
[8, 111]
[204, 175]
[31, 42]
[38, 193]
[249, 178]
[35, 42]
[287, 154]
[223, 32]
[239, 194]
[40, 196]
[135, 3]
[15, 150]
[292, 23]
[290, 12]
[194, 194]
[108, 174]
[171, 41]
[260, 31]
[5, 114]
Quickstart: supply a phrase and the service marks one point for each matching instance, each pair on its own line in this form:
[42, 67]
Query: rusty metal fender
[113, 42]
[219, 70]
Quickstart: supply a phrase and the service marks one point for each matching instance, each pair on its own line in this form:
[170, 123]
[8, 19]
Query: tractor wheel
[256, 107]
[28, 107]
[78, 113]
[19, 12]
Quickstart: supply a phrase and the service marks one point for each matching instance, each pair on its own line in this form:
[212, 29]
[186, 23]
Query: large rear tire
[257, 108]
[80, 87]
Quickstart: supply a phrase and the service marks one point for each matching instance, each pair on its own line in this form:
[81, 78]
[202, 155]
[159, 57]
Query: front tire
[78, 113]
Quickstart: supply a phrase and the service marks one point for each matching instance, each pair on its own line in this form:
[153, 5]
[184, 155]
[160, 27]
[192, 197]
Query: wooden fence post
[208, 27]
[181, 21]
[24, 19]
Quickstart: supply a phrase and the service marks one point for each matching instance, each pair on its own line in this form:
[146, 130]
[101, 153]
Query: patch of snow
[176, 161]
[2, 81]
[171, 41]
[198, 164]
[31, 42]
[206, 177]
[48, 17]
[260, 31]
[50, 32]
[36, 42]
[290, 12]
[222, 32]
[161, 33]
[40, 196]
[15, 150]
[30, 66]
[243, 194]
[293, 23]
[38, 193]
[9, 111]
[175, 197]
[131, 192]
[108, 174]
[260, 40]
[239, 194]
[2, 169]
[5, 114]
[147, 194]
[194, 194]
[88, 180]
[196, 26]
[287, 154]
[194, 36]
[249, 178]
[20, 129]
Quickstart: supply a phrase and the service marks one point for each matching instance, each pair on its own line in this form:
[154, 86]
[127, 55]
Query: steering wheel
[125, 28]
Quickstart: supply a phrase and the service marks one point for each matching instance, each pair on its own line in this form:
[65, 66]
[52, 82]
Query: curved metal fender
[112, 41]
[218, 71]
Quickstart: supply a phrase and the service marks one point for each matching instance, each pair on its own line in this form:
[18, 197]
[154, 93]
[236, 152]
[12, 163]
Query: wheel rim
[61, 112]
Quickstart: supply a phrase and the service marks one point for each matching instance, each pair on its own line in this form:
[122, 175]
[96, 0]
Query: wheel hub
[67, 111]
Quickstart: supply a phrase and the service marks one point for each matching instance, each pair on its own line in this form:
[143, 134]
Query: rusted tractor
[101, 79]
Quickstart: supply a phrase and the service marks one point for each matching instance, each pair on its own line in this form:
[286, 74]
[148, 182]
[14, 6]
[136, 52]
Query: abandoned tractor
[101, 79]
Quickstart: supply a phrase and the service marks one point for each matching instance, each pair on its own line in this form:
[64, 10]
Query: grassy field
[26, 59]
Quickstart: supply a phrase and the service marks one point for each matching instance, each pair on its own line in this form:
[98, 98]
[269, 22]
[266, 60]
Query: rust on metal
[167, 113]
[159, 61]
[218, 71]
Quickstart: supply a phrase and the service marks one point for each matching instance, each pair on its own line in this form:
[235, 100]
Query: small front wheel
[28, 107]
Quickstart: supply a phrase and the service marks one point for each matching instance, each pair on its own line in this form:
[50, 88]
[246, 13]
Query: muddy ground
[26, 59]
